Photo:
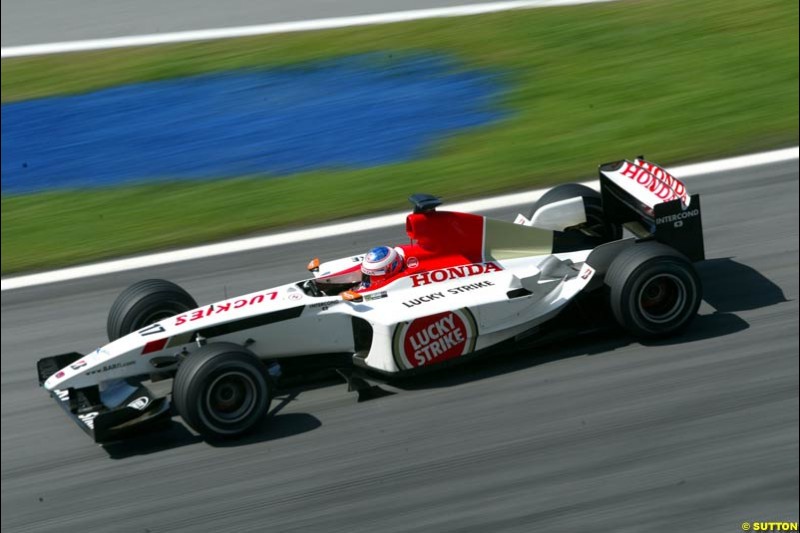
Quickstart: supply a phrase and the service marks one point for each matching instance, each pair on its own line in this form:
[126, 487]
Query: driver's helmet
[380, 264]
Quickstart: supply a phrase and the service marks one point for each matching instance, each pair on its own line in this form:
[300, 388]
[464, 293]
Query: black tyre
[222, 390]
[145, 303]
[598, 231]
[654, 290]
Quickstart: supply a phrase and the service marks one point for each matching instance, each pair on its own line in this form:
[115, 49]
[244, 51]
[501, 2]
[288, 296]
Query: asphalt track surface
[600, 433]
[48, 21]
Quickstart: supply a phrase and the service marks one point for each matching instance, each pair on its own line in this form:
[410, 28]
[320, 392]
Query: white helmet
[381, 261]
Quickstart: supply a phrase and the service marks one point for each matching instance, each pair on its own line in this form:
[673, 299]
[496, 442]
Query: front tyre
[222, 390]
[146, 302]
[654, 290]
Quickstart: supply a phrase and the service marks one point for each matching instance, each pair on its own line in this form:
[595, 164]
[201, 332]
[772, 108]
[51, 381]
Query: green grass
[677, 80]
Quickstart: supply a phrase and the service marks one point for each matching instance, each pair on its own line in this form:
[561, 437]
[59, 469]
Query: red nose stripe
[154, 346]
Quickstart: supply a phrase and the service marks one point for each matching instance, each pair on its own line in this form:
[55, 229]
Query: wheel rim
[231, 397]
[662, 298]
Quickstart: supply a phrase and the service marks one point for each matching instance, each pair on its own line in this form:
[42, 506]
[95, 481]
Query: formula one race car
[467, 284]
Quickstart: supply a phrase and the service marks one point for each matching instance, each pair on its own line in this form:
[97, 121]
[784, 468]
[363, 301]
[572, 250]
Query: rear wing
[652, 203]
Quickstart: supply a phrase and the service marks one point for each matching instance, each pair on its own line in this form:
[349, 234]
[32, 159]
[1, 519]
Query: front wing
[137, 412]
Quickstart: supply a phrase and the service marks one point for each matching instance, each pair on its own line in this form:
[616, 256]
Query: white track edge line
[330, 230]
[280, 27]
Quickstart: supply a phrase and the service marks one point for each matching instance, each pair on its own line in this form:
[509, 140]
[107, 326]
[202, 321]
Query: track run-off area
[31, 27]
[697, 433]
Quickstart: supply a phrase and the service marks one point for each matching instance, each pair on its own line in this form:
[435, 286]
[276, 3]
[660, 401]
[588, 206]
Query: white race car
[468, 283]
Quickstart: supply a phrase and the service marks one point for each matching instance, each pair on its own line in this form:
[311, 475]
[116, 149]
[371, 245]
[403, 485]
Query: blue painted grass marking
[354, 112]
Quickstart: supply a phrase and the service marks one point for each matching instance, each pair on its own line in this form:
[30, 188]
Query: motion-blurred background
[116, 151]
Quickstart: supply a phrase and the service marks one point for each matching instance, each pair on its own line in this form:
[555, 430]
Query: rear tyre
[222, 390]
[596, 230]
[144, 303]
[654, 290]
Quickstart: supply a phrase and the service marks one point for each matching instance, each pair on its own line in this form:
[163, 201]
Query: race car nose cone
[53, 381]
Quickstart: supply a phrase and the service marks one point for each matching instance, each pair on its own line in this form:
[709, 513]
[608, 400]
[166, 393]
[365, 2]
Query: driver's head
[380, 264]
